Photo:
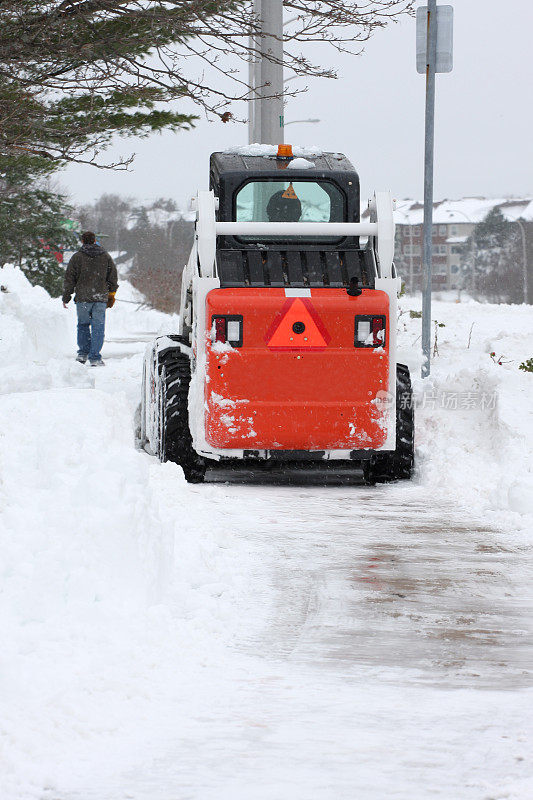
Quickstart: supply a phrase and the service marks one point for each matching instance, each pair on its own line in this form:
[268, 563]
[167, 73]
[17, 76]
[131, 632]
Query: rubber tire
[175, 442]
[398, 465]
[137, 428]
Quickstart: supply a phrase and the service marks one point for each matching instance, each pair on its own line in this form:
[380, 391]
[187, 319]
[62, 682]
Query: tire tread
[176, 440]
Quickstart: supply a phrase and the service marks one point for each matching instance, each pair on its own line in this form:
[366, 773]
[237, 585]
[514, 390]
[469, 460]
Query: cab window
[282, 200]
[275, 200]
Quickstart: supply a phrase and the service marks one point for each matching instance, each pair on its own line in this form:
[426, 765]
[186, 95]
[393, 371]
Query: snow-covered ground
[162, 641]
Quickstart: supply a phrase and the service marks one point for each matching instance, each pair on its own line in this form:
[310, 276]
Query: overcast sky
[374, 113]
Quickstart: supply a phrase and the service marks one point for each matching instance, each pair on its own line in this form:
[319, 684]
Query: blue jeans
[91, 329]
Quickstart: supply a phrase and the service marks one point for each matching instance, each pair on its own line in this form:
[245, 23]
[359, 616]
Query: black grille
[294, 268]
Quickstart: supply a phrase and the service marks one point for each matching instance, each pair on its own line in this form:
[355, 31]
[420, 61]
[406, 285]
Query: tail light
[227, 329]
[219, 326]
[370, 330]
[378, 331]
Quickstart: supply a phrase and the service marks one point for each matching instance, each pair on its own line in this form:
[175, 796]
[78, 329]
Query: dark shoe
[98, 363]
[81, 357]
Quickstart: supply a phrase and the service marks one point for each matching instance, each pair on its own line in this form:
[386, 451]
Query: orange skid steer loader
[286, 348]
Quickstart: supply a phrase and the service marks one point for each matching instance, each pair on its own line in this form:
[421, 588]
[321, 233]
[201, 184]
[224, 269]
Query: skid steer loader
[286, 347]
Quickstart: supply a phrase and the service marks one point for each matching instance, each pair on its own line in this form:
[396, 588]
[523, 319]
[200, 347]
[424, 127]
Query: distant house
[453, 222]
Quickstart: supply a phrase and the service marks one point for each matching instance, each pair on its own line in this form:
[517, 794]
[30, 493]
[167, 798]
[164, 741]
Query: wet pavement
[380, 576]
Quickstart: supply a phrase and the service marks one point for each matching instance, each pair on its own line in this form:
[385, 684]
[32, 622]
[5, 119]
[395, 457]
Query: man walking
[92, 274]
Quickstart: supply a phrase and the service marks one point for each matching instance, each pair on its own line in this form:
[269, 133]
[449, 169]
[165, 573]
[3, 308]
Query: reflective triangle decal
[289, 193]
[297, 326]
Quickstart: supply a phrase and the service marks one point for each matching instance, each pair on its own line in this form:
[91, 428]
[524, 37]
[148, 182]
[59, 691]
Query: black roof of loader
[235, 162]
[229, 171]
[291, 263]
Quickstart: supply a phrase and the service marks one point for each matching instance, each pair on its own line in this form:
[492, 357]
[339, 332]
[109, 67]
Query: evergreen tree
[32, 223]
[492, 262]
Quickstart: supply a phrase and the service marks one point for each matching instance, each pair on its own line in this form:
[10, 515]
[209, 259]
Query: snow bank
[38, 336]
[474, 416]
[33, 327]
[112, 573]
[116, 581]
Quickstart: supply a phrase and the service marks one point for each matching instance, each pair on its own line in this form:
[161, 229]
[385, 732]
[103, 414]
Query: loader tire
[175, 442]
[137, 428]
[398, 465]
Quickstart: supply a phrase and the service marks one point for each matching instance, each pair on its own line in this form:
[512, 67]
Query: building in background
[453, 223]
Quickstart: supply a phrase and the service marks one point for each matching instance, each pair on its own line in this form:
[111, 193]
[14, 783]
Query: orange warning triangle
[297, 326]
[289, 193]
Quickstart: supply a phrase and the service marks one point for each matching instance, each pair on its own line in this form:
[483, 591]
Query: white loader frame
[200, 277]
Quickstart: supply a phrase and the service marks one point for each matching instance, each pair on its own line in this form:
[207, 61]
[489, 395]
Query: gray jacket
[92, 274]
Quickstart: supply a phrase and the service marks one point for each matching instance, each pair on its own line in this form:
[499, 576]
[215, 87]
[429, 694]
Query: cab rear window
[283, 200]
[276, 200]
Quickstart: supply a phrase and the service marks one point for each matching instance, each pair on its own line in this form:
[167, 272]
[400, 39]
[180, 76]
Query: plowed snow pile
[475, 415]
[128, 599]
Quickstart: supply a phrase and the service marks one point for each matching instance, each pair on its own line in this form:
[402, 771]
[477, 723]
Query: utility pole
[254, 75]
[434, 54]
[266, 113]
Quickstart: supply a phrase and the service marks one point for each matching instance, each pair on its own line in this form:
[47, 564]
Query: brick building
[453, 222]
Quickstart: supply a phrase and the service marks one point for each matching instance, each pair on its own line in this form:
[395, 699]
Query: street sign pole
[434, 53]
[431, 59]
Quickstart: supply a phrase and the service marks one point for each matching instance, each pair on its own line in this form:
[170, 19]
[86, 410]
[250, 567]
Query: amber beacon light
[285, 151]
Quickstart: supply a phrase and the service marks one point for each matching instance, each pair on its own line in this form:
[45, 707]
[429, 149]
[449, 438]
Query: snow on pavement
[162, 640]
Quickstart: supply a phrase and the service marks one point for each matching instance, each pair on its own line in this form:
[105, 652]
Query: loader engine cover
[296, 369]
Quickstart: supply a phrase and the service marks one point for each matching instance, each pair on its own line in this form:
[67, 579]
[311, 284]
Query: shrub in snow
[498, 359]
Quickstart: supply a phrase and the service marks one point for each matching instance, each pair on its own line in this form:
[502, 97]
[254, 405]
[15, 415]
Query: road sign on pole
[444, 58]
[428, 17]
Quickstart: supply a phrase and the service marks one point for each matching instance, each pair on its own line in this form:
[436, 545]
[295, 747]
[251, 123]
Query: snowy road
[244, 640]
[382, 649]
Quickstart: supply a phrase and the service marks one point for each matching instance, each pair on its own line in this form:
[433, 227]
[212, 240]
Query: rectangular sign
[444, 38]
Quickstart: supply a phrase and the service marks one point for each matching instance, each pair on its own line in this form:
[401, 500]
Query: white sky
[374, 113]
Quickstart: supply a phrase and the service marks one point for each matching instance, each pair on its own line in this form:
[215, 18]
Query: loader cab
[258, 188]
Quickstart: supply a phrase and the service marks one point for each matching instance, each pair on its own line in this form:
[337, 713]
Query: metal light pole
[411, 270]
[524, 261]
[431, 59]
[266, 122]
